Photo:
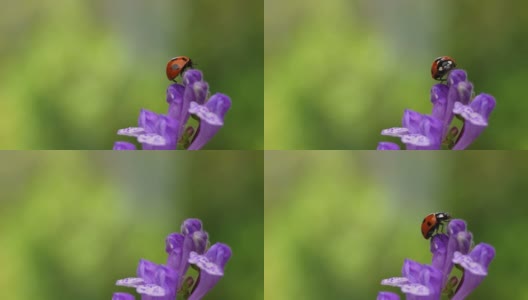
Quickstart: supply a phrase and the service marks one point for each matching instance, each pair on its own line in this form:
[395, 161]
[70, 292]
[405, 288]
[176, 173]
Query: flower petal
[438, 248]
[190, 225]
[168, 279]
[428, 137]
[467, 113]
[476, 115]
[478, 259]
[179, 110]
[218, 104]
[412, 120]
[416, 139]
[455, 226]
[395, 281]
[424, 275]
[192, 76]
[151, 290]
[179, 246]
[467, 263]
[175, 93]
[476, 266]
[147, 270]
[219, 254]
[387, 146]
[455, 229]
[148, 120]
[173, 241]
[124, 146]
[416, 289]
[439, 100]
[465, 90]
[205, 115]
[122, 296]
[395, 131]
[152, 139]
[456, 76]
[131, 131]
[203, 263]
[201, 89]
[130, 282]
[387, 296]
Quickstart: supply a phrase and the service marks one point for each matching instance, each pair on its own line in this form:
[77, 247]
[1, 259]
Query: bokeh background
[72, 223]
[74, 72]
[337, 223]
[337, 74]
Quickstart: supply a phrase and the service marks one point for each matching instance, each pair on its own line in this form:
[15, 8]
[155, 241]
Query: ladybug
[432, 222]
[441, 66]
[177, 65]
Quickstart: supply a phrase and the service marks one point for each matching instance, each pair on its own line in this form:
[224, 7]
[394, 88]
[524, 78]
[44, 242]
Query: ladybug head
[442, 216]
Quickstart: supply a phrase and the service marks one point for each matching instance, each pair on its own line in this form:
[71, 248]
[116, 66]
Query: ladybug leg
[438, 229]
[441, 227]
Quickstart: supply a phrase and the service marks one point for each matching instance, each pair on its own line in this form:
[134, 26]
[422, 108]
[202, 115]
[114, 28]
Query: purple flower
[122, 296]
[155, 131]
[193, 229]
[168, 131]
[476, 119]
[418, 131]
[153, 280]
[387, 296]
[212, 268]
[429, 132]
[388, 146]
[124, 146]
[475, 268]
[180, 245]
[428, 282]
[444, 246]
[439, 101]
[164, 282]
[212, 118]
[418, 280]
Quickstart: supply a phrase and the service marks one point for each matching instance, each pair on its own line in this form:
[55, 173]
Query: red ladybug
[432, 222]
[177, 65]
[441, 66]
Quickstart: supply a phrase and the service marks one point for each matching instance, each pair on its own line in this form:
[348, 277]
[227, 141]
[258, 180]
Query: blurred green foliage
[337, 223]
[71, 224]
[337, 74]
[74, 72]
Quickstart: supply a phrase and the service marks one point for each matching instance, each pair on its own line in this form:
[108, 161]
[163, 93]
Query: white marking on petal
[203, 263]
[151, 290]
[152, 139]
[203, 112]
[395, 281]
[395, 131]
[468, 264]
[416, 139]
[131, 131]
[467, 113]
[416, 289]
[130, 282]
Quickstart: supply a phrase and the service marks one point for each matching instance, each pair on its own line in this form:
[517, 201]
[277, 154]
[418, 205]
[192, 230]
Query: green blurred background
[337, 74]
[337, 223]
[71, 224]
[74, 72]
